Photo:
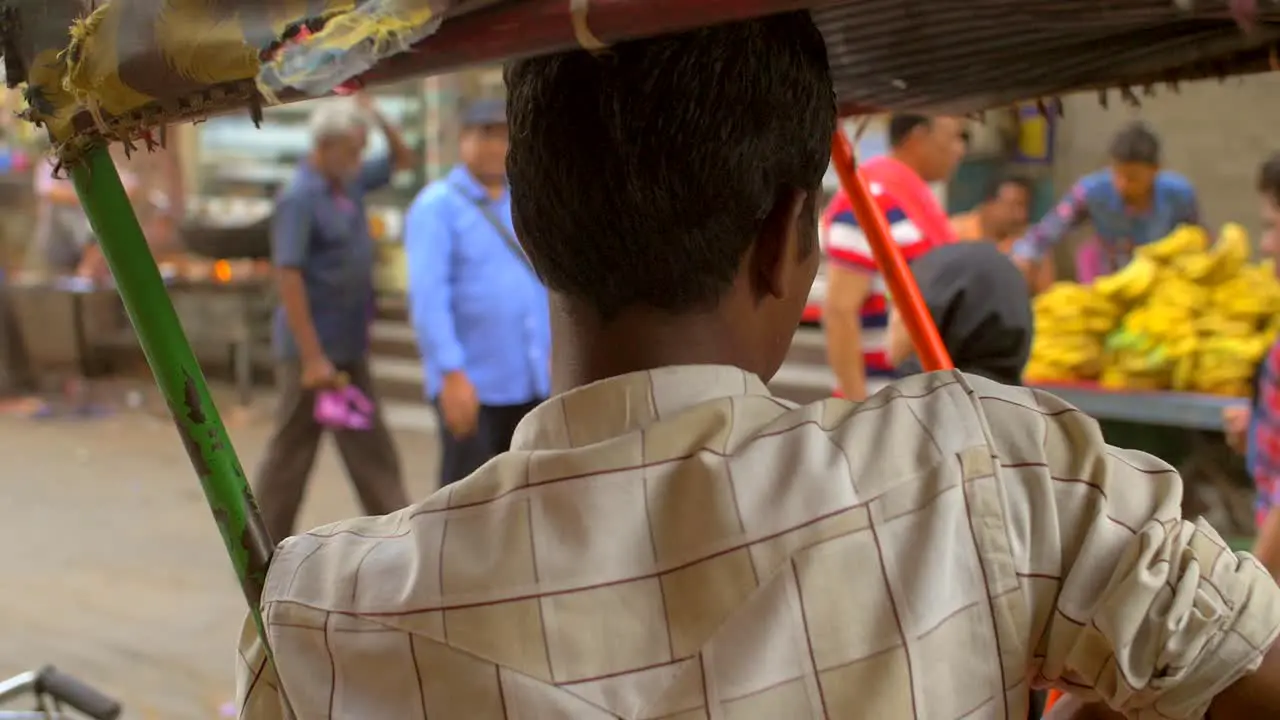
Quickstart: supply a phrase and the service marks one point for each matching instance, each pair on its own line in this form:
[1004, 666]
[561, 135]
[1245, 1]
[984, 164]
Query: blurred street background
[112, 567]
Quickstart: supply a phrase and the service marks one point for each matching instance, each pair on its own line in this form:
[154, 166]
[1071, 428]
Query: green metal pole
[176, 371]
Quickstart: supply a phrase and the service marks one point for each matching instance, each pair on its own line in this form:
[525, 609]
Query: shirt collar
[313, 181]
[617, 406]
[462, 179]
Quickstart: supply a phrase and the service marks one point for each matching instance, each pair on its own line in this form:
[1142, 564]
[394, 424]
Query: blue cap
[485, 112]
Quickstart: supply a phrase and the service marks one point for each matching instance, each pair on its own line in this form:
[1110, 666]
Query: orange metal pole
[897, 276]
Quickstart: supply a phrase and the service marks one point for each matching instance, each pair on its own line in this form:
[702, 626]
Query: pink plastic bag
[344, 408]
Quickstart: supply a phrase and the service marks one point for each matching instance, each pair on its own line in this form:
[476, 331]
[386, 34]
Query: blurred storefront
[236, 170]
[228, 173]
[19, 149]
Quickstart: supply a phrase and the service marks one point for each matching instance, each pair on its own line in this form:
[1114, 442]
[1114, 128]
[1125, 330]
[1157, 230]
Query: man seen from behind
[666, 539]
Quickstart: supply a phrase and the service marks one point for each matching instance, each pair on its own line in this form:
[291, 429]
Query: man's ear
[779, 245]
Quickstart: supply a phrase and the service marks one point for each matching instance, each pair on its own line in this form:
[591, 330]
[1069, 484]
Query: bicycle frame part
[902, 286]
[176, 372]
[17, 686]
[23, 685]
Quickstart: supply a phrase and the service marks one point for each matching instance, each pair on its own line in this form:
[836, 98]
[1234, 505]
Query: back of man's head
[981, 304]
[641, 176]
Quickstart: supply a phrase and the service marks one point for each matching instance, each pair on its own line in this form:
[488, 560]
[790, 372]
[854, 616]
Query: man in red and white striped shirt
[925, 150]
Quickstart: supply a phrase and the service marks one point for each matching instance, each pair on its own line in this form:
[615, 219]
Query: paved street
[114, 570]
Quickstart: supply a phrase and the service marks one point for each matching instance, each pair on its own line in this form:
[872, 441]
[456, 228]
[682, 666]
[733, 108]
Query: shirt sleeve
[428, 242]
[1128, 602]
[375, 173]
[257, 685]
[1190, 211]
[290, 231]
[1070, 212]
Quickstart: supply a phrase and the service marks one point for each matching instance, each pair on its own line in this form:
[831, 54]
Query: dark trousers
[14, 372]
[370, 455]
[1036, 711]
[494, 428]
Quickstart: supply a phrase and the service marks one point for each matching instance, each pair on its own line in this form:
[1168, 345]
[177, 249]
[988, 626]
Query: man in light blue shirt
[478, 309]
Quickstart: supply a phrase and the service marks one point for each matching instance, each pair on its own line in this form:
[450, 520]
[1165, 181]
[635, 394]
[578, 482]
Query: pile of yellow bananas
[1071, 321]
[1198, 318]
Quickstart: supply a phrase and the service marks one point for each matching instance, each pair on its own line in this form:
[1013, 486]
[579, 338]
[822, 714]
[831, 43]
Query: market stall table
[1191, 411]
[66, 324]
[226, 316]
[62, 320]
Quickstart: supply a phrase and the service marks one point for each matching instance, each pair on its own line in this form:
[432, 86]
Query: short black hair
[1269, 178]
[1136, 143]
[992, 190]
[901, 127]
[641, 176]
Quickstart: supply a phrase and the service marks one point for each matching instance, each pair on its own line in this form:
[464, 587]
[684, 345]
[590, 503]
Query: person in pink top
[924, 150]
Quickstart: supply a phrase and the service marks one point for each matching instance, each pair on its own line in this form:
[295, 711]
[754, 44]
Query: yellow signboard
[1035, 133]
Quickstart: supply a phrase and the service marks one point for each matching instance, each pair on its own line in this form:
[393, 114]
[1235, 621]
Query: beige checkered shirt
[678, 544]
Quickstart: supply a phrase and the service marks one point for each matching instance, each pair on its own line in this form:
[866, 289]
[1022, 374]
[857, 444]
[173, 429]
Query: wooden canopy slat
[957, 56]
[969, 55]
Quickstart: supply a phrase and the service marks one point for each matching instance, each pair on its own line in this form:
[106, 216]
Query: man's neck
[908, 160]
[586, 351]
[332, 182]
[494, 187]
[988, 229]
[1141, 205]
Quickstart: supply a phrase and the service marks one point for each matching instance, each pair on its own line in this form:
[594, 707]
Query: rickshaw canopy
[118, 69]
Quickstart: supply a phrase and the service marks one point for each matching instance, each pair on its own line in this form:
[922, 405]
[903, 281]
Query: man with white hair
[324, 265]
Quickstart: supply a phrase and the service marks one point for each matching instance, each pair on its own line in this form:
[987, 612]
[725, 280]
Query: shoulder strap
[508, 238]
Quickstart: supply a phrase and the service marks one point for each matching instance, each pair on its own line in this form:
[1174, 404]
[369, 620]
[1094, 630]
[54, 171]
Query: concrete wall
[1215, 133]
